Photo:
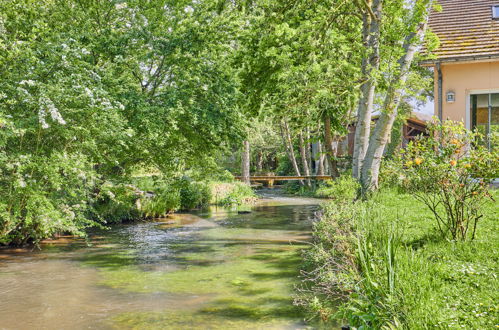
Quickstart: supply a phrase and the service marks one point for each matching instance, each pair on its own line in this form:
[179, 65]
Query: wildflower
[454, 141]
[409, 163]
[453, 162]
[418, 161]
[467, 165]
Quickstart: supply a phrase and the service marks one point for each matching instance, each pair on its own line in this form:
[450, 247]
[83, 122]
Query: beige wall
[465, 79]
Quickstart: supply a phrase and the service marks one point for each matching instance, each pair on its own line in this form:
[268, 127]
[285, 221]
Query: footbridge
[270, 179]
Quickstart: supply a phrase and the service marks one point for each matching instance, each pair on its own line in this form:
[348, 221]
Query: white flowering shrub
[44, 198]
[150, 87]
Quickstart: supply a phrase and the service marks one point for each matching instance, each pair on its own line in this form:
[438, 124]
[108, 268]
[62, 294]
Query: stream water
[217, 269]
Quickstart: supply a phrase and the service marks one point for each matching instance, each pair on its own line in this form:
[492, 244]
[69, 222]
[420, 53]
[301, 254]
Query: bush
[43, 196]
[343, 188]
[449, 172]
[165, 201]
[376, 265]
[231, 194]
[116, 203]
[329, 272]
[193, 195]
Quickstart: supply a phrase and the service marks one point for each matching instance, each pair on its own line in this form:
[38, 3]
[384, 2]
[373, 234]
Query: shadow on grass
[418, 243]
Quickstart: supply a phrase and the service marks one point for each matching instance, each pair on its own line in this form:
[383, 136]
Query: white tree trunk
[289, 148]
[304, 160]
[245, 162]
[382, 132]
[320, 161]
[308, 151]
[370, 66]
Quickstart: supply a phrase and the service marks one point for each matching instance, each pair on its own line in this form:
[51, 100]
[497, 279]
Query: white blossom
[47, 106]
[121, 5]
[189, 9]
[27, 82]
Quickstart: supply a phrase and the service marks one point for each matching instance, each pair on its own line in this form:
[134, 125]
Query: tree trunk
[259, 162]
[308, 151]
[320, 161]
[370, 66]
[382, 132]
[289, 148]
[245, 162]
[304, 160]
[330, 148]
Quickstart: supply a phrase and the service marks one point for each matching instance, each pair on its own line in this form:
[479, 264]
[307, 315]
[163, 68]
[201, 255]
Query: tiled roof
[466, 29]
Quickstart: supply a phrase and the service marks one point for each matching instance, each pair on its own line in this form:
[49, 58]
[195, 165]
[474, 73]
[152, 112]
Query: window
[485, 116]
[495, 12]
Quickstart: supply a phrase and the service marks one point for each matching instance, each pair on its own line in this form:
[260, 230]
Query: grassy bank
[382, 264]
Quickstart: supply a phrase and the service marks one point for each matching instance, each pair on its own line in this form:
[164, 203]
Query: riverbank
[135, 199]
[382, 263]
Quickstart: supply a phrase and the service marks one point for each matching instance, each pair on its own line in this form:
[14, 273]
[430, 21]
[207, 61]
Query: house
[466, 66]
[414, 125]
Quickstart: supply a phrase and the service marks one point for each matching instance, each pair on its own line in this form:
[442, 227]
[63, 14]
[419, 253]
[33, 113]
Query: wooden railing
[270, 179]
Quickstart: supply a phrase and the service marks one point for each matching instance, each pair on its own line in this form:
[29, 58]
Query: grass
[402, 273]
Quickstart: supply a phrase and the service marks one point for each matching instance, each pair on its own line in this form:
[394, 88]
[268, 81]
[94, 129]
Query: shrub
[193, 194]
[43, 196]
[449, 172]
[230, 194]
[330, 272]
[343, 188]
[117, 202]
[165, 200]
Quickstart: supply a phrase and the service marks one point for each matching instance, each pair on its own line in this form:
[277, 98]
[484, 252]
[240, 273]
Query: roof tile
[465, 28]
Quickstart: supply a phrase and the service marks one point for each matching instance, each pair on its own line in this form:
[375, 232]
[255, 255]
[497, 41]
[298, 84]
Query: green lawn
[412, 277]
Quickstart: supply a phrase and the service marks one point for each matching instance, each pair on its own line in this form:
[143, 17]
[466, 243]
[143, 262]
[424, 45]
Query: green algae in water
[201, 320]
[256, 271]
[252, 291]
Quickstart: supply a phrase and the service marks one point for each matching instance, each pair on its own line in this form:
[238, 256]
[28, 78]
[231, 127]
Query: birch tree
[385, 23]
[371, 29]
[381, 135]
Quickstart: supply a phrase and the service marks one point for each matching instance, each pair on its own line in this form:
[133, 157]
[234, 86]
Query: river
[214, 269]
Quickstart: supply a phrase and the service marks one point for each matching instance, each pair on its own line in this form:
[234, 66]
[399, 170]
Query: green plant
[164, 201]
[193, 194]
[231, 194]
[449, 172]
[117, 202]
[44, 196]
[343, 188]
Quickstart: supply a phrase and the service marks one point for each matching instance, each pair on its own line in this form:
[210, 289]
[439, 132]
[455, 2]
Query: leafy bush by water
[117, 202]
[44, 196]
[165, 200]
[343, 188]
[230, 194]
[193, 194]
